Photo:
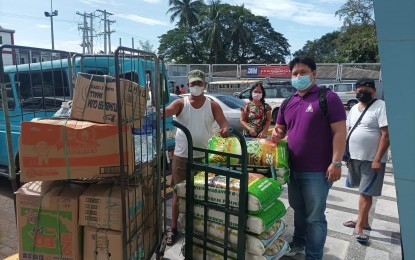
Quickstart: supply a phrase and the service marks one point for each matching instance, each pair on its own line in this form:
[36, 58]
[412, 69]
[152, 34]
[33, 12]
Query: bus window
[47, 83]
[10, 96]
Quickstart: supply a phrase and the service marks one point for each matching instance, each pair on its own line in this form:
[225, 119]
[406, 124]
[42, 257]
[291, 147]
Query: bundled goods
[274, 251]
[57, 149]
[105, 244]
[263, 152]
[47, 220]
[229, 145]
[256, 224]
[100, 207]
[262, 192]
[95, 100]
[255, 244]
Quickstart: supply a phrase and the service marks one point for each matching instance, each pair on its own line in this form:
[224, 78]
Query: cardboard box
[106, 244]
[47, 221]
[149, 241]
[56, 149]
[95, 99]
[100, 207]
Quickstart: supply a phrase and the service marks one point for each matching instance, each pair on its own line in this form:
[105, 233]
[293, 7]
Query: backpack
[322, 98]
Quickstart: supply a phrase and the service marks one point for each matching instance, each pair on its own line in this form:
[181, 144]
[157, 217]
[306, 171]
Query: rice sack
[262, 192]
[256, 224]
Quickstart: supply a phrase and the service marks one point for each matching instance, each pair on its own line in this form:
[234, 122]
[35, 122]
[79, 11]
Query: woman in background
[256, 114]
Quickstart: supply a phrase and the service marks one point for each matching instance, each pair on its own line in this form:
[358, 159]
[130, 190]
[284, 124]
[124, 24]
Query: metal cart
[228, 171]
[56, 71]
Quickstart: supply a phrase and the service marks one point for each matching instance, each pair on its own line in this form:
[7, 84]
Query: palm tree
[186, 10]
[240, 34]
[213, 32]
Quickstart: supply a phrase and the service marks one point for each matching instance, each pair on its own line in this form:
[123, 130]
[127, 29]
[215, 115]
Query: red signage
[274, 71]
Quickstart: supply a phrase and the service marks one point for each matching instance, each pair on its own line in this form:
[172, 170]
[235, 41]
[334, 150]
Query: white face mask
[256, 96]
[196, 90]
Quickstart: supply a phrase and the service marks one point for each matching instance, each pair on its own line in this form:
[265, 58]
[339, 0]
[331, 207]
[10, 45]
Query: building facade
[7, 37]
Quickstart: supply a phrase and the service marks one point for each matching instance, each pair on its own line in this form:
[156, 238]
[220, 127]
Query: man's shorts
[361, 175]
[179, 167]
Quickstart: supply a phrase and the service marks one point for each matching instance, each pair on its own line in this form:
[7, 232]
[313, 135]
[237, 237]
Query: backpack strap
[284, 104]
[322, 98]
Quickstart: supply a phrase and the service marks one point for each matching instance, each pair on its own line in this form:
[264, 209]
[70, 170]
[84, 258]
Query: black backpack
[322, 98]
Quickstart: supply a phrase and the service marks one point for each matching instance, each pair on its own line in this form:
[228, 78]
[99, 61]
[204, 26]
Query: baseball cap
[365, 82]
[196, 75]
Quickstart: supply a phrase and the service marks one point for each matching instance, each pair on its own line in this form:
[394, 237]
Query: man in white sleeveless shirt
[197, 113]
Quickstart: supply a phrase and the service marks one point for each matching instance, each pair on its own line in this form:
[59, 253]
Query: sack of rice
[254, 244]
[256, 224]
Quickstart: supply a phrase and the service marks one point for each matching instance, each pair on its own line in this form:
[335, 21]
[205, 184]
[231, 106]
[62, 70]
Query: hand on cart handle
[224, 132]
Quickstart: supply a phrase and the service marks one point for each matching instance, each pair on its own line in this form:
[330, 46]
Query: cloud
[152, 1]
[140, 19]
[43, 26]
[100, 3]
[332, 1]
[292, 11]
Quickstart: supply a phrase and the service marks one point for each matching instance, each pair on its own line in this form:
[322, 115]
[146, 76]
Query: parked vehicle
[276, 92]
[231, 107]
[346, 92]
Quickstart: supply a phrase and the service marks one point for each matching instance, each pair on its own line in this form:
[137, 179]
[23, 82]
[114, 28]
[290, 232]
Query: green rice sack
[233, 146]
[282, 155]
[254, 152]
[216, 143]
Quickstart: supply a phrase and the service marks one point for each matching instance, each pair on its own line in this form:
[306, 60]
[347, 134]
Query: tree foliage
[223, 34]
[355, 42]
[357, 12]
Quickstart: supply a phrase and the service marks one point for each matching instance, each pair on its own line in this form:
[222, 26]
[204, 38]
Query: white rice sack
[262, 192]
[217, 252]
[273, 252]
[256, 224]
[254, 245]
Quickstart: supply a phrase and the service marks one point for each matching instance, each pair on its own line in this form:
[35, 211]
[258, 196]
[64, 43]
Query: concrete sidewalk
[342, 205]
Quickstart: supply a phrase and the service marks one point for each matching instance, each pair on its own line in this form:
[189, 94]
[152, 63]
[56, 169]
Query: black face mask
[364, 97]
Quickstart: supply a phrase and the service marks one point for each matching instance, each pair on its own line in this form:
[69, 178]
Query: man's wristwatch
[337, 164]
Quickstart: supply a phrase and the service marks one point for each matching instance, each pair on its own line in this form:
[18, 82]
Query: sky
[146, 20]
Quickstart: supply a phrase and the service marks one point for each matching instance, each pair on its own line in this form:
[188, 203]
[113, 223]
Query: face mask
[364, 97]
[301, 82]
[196, 90]
[256, 96]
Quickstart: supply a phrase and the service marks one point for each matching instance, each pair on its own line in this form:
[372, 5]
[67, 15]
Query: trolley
[47, 80]
[226, 171]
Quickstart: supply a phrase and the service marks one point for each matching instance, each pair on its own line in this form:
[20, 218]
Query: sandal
[360, 237]
[352, 224]
[171, 236]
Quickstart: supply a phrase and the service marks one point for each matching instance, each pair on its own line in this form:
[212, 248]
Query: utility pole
[51, 15]
[87, 32]
[109, 35]
[106, 32]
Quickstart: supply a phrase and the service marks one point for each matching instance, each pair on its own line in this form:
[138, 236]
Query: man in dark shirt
[316, 144]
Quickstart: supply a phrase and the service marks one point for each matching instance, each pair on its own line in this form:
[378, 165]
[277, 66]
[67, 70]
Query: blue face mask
[301, 82]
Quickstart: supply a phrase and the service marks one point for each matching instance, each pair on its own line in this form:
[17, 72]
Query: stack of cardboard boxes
[71, 220]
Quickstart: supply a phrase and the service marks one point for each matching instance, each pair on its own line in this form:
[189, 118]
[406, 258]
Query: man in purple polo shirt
[316, 145]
